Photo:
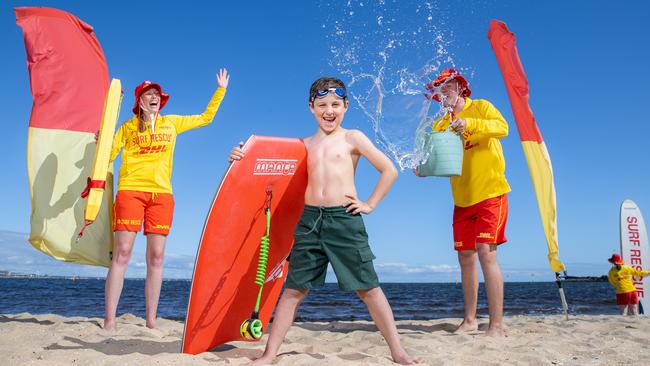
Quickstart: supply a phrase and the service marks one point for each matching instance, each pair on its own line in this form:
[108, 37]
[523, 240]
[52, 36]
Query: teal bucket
[445, 155]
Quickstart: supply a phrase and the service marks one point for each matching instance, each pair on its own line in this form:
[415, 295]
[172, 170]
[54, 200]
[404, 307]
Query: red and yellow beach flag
[69, 82]
[539, 162]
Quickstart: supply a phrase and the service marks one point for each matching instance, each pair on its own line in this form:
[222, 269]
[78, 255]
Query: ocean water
[85, 297]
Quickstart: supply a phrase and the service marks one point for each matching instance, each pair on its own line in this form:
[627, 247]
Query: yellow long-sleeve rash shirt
[147, 157]
[622, 279]
[484, 166]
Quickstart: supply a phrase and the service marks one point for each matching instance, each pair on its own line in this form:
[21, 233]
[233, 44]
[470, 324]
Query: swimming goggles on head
[339, 92]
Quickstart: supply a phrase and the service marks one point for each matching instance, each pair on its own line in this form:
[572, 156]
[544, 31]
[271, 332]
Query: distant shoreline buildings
[9, 274]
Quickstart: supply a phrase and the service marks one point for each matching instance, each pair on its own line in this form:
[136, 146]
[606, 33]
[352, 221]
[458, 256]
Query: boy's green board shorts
[331, 235]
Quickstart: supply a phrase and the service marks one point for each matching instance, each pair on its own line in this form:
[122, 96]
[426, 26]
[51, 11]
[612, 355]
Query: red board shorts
[628, 298]
[131, 207]
[483, 222]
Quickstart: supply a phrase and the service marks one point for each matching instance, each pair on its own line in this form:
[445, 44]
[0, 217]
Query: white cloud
[415, 269]
[20, 256]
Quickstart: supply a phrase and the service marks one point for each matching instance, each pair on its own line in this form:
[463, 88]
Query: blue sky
[586, 64]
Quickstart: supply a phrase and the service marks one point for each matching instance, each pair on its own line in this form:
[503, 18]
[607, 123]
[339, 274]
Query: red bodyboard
[223, 291]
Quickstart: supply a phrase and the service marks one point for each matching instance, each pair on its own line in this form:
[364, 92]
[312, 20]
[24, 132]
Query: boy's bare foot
[109, 325]
[404, 358]
[467, 326]
[264, 360]
[495, 331]
[151, 324]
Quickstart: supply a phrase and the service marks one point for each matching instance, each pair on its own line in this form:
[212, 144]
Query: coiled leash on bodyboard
[253, 328]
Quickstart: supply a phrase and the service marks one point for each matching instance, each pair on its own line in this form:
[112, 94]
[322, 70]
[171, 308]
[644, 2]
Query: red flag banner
[539, 162]
[69, 82]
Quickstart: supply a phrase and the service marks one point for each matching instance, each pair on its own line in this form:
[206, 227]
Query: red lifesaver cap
[616, 259]
[144, 86]
[445, 76]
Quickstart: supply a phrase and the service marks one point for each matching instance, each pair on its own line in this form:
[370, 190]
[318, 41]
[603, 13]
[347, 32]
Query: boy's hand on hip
[356, 206]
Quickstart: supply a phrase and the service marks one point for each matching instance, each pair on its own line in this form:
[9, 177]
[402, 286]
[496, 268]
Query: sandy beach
[27, 339]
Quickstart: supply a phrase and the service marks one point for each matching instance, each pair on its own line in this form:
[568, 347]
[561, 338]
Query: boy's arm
[491, 124]
[381, 162]
[236, 153]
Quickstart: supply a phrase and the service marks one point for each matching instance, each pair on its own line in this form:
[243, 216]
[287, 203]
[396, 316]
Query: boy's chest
[326, 151]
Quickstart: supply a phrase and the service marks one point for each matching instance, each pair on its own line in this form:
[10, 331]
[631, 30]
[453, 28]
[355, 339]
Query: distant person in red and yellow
[620, 276]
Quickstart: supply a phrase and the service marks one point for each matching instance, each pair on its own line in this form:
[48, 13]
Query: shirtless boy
[331, 228]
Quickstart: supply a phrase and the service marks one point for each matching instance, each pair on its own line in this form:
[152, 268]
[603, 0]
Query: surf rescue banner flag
[69, 82]
[635, 249]
[539, 162]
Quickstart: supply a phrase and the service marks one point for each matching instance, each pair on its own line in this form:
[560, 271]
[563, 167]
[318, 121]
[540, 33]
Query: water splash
[388, 51]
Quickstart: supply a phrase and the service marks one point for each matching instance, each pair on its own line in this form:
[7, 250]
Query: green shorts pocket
[366, 254]
[366, 270]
